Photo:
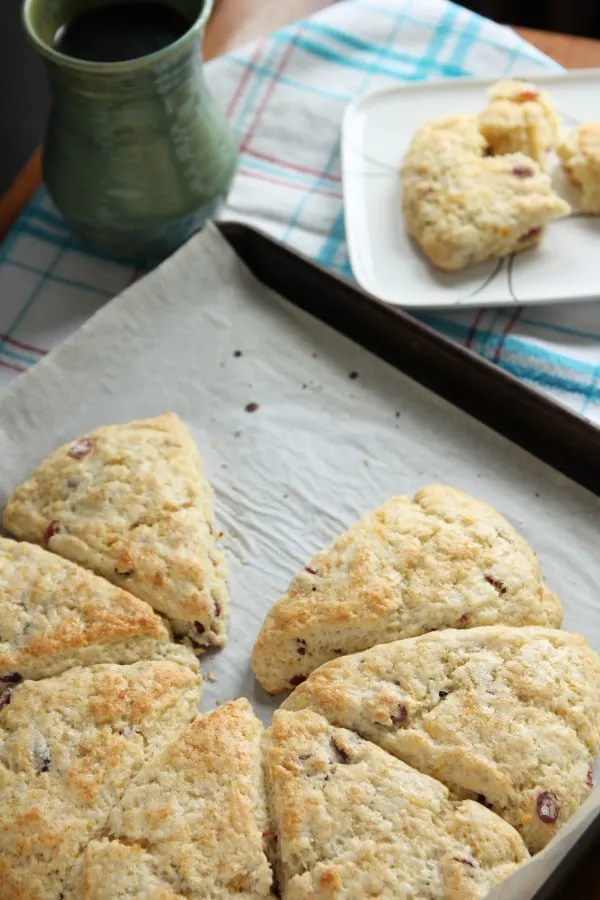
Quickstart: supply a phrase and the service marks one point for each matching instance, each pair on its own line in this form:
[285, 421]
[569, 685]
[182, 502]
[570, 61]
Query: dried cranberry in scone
[527, 96]
[301, 646]
[52, 529]
[522, 171]
[81, 448]
[547, 807]
[401, 715]
[5, 696]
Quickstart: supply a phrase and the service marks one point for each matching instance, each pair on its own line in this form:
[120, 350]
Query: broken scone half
[506, 716]
[352, 821]
[440, 560]
[519, 118]
[131, 503]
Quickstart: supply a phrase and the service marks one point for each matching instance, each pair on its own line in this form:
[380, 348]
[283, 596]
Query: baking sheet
[337, 431]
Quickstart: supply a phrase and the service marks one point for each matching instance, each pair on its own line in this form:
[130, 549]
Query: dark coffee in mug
[120, 31]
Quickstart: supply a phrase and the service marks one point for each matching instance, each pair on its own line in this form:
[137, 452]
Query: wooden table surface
[235, 22]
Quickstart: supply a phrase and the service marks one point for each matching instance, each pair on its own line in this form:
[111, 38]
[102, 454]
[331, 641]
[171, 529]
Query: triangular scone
[55, 615]
[510, 716]
[354, 822]
[442, 560]
[193, 822]
[131, 503]
[69, 746]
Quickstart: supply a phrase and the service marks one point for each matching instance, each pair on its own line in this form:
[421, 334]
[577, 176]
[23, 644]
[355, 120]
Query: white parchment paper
[322, 448]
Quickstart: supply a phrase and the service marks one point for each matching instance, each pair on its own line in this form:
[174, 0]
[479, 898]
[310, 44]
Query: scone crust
[69, 746]
[519, 118]
[579, 151]
[506, 715]
[131, 503]
[442, 560]
[193, 820]
[54, 615]
[355, 822]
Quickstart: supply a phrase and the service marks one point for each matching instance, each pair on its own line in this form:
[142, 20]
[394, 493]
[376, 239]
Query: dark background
[24, 96]
[572, 16]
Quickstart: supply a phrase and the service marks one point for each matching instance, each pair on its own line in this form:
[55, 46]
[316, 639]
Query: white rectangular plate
[376, 132]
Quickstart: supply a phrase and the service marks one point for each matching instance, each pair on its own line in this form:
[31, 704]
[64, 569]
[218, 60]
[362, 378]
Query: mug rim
[126, 65]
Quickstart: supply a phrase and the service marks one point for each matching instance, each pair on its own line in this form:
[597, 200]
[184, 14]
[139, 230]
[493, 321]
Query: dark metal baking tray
[550, 432]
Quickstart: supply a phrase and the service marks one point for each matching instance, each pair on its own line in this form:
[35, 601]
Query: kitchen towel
[285, 95]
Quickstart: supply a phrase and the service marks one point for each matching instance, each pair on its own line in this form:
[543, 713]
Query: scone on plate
[579, 151]
[508, 716]
[519, 118]
[115, 871]
[131, 503]
[354, 822]
[193, 822]
[69, 746]
[55, 615]
[440, 560]
[478, 207]
[442, 143]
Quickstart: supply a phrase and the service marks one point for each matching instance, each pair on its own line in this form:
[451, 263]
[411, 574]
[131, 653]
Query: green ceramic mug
[137, 155]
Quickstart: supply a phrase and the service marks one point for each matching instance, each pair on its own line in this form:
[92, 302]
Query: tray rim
[478, 81]
[548, 411]
[439, 84]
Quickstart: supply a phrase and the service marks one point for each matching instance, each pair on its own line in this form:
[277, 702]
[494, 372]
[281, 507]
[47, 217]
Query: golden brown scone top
[440, 560]
[131, 503]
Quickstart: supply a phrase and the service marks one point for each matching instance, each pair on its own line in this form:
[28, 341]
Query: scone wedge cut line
[192, 824]
[440, 560]
[131, 503]
[55, 615]
[354, 822]
[506, 716]
[69, 747]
